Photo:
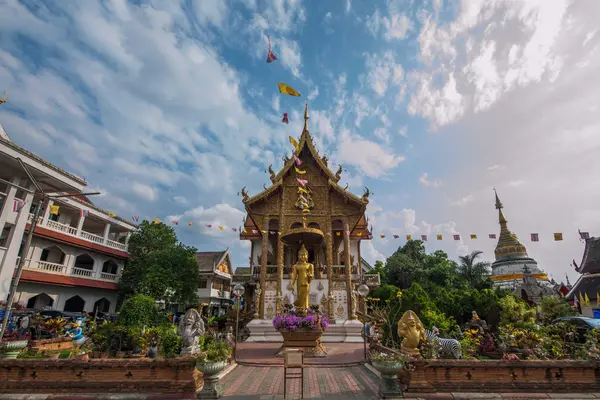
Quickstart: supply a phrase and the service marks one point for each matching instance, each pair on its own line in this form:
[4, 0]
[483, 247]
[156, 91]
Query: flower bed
[302, 332]
[60, 343]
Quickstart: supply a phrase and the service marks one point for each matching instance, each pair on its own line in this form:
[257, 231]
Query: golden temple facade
[323, 216]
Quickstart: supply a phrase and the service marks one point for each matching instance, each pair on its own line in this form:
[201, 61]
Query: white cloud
[218, 215]
[425, 181]
[313, 94]
[180, 200]
[403, 131]
[144, 192]
[383, 71]
[395, 25]
[516, 183]
[463, 200]
[373, 159]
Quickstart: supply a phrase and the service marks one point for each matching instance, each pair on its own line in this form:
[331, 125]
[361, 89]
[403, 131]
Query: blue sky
[169, 109]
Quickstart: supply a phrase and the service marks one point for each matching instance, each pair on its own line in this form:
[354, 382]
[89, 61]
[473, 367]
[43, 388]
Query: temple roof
[589, 284]
[508, 247]
[208, 261]
[305, 145]
[590, 263]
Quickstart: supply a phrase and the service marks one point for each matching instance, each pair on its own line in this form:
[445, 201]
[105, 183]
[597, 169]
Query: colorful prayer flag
[382, 236]
[297, 160]
[587, 299]
[175, 221]
[408, 237]
[111, 215]
[338, 233]
[270, 56]
[294, 143]
[584, 235]
[299, 171]
[492, 236]
[535, 237]
[581, 300]
[234, 229]
[54, 210]
[576, 302]
[287, 89]
[359, 233]
[135, 218]
[83, 213]
[190, 223]
[221, 228]
[156, 221]
[18, 205]
[558, 237]
[254, 231]
[302, 182]
[208, 225]
[473, 236]
[396, 236]
[456, 237]
[439, 237]
[424, 238]
[302, 190]
[285, 119]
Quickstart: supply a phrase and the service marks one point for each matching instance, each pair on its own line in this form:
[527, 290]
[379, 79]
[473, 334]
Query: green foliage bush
[139, 311]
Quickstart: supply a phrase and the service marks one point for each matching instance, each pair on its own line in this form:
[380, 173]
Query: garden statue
[412, 331]
[477, 323]
[302, 274]
[191, 327]
[76, 333]
[257, 292]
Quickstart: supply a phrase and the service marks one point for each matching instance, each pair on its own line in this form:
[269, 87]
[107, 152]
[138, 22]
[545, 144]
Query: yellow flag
[263, 231]
[359, 233]
[581, 301]
[286, 89]
[156, 221]
[305, 210]
[439, 237]
[299, 171]
[408, 237]
[54, 210]
[221, 228]
[587, 299]
[302, 190]
[473, 236]
[244, 230]
[190, 223]
[558, 237]
[382, 236]
[294, 143]
[112, 215]
[338, 233]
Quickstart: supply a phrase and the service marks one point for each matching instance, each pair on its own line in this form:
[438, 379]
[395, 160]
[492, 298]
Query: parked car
[582, 325]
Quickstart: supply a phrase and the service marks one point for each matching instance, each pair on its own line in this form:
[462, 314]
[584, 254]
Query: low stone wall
[60, 343]
[500, 376]
[504, 376]
[99, 376]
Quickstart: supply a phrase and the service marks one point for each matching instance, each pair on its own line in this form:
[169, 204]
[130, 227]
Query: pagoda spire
[305, 117]
[508, 245]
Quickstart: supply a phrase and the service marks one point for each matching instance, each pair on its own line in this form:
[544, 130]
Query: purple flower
[292, 322]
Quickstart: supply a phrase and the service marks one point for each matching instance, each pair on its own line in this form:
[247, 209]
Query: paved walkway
[266, 383]
[263, 354]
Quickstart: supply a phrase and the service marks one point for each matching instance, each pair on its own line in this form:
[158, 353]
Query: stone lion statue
[191, 327]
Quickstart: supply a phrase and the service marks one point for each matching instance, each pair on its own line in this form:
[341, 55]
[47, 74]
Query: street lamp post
[25, 250]
[238, 291]
[363, 291]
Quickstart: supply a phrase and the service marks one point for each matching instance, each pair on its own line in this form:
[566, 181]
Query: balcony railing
[61, 269]
[71, 231]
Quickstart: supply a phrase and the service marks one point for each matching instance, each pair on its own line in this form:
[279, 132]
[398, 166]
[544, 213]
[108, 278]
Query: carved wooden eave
[264, 194]
[350, 196]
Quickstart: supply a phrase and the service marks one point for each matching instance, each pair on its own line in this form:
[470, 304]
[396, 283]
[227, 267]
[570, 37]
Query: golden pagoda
[305, 205]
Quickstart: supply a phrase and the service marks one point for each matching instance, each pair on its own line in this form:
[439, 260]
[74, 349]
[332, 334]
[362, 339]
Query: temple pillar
[329, 261]
[348, 270]
[280, 263]
[263, 267]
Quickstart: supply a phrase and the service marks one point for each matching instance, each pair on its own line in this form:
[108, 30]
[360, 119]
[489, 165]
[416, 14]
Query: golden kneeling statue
[412, 331]
[302, 274]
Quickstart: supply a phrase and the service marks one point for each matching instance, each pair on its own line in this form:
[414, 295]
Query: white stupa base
[342, 331]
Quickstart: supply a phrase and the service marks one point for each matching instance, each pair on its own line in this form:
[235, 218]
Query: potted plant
[302, 331]
[389, 366]
[211, 361]
[12, 344]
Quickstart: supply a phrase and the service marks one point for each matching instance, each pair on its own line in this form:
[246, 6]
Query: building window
[217, 285]
[4, 235]
[54, 217]
[203, 284]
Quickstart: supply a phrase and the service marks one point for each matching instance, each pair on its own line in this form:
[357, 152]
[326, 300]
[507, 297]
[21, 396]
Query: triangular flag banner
[456, 237]
[299, 171]
[492, 236]
[408, 237]
[575, 301]
[285, 119]
[254, 231]
[439, 237]
[587, 299]
[558, 237]
[382, 236]
[18, 205]
[302, 182]
[473, 236]
[296, 159]
[424, 238]
[287, 89]
[270, 56]
[190, 223]
[208, 225]
[294, 143]
[263, 231]
[135, 218]
[302, 190]
[359, 233]
[156, 221]
[112, 215]
[396, 236]
[535, 237]
[234, 229]
[581, 300]
[54, 210]
[175, 222]
[338, 233]
[221, 228]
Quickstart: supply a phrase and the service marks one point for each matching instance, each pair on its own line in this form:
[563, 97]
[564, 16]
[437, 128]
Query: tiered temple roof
[589, 281]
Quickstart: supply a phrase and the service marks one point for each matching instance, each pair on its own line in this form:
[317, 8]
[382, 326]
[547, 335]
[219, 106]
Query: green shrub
[169, 341]
[139, 311]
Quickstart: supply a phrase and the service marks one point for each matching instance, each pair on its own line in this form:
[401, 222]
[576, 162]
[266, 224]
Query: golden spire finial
[306, 117]
[499, 207]
[498, 202]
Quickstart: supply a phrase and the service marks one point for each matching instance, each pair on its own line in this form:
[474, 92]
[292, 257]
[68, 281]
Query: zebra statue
[447, 346]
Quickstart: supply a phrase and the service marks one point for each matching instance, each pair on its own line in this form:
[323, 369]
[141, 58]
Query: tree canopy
[157, 263]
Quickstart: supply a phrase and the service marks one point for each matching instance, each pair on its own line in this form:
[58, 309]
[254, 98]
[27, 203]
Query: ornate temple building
[305, 205]
[514, 269]
[588, 285]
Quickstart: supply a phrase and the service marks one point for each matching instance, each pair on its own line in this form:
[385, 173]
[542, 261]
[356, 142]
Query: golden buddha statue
[412, 331]
[302, 273]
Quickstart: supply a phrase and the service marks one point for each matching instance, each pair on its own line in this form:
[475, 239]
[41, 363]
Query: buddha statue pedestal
[309, 340]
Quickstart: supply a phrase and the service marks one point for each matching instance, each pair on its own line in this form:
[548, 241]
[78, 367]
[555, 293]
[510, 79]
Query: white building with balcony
[214, 288]
[76, 255]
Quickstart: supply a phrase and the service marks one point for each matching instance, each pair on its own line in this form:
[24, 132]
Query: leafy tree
[472, 270]
[551, 308]
[159, 263]
[138, 311]
[381, 271]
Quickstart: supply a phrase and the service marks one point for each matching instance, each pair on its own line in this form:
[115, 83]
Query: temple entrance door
[311, 256]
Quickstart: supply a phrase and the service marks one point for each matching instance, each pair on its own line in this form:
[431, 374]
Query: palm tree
[471, 269]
